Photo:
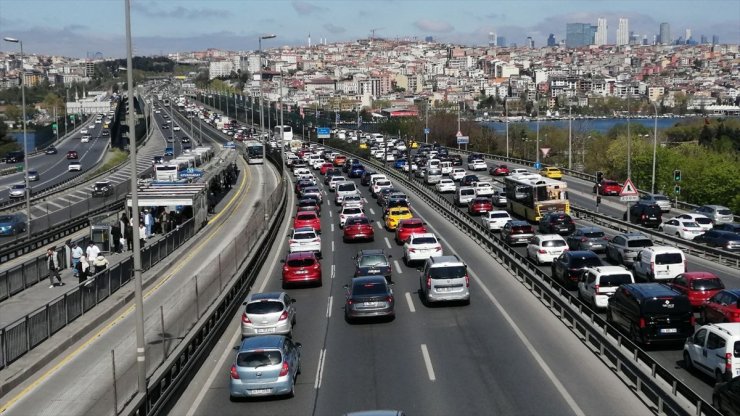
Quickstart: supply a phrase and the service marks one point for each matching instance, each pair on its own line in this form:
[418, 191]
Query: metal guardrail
[604, 340]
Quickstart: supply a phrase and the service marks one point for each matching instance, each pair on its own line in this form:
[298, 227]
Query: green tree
[13, 112]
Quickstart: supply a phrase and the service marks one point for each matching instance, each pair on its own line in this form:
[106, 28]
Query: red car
[358, 228]
[324, 167]
[407, 227]
[307, 219]
[500, 170]
[480, 205]
[698, 286]
[608, 187]
[724, 306]
[71, 154]
[301, 267]
[339, 160]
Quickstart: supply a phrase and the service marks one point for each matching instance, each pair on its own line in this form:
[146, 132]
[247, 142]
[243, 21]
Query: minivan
[444, 278]
[432, 176]
[651, 313]
[464, 194]
[344, 189]
[659, 263]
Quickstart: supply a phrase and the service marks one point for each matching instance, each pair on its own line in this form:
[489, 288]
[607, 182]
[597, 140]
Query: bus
[255, 152]
[166, 172]
[287, 133]
[530, 195]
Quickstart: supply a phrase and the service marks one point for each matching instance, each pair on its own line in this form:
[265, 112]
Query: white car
[483, 188]
[83, 131]
[420, 247]
[307, 177]
[704, 222]
[477, 165]
[176, 128]
[414, 167]
[457, 174]
[495, 220]
[85, 139]
[74, 166]
[355, 200]
[380, 185]
[686, 229]
[92, 126]
[445, 185]
[17, 191]
[349, 211]
[544, 248]
[316, 163]
[390, 158]
[301, 171]
[334, 180]
[598, 284]
[305, 239]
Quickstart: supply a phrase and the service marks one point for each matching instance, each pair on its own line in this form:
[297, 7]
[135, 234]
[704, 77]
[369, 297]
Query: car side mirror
[298, 345]
[292, 300]
[282, 261]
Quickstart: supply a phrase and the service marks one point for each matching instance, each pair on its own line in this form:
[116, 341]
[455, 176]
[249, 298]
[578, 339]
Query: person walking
[92, 251]
[76, 254]
[148, 223]
[100, 263]
[116, 234]
[129, 235]
[83, 270]
[142, 234]
[52, 263]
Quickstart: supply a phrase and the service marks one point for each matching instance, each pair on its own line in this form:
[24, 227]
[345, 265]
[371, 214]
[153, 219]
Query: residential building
[579, 34]
[220, 69]
[623, 32]
[601, 32]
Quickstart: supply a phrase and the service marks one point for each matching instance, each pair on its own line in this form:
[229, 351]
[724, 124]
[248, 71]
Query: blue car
[169, 151]
[12, 224]
[356, 171]
[399, 164]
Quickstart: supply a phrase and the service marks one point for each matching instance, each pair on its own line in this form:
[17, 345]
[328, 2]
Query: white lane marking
[329, 214]
[320, 370]
[332, 227]
[387, 242]
[427, 362]
[327, 202]
[228, 350]
[332, 246]
[328, 307]
[398, 266]
[333, 271]
[380, 226]
[410, 302]
[371, 211]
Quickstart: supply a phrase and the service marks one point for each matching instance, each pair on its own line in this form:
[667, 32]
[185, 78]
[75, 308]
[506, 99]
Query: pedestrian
[52, 263]
[122, 243]
[148, 223]
[142, 235]
[129, 235]
[92, 250]
[83, 269]
[100, 263]
[76, 254]
[116, 234]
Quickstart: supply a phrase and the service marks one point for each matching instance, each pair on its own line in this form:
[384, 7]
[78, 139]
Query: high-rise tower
[492, 39]
[601, 32]
[665, 34]
[623, 31]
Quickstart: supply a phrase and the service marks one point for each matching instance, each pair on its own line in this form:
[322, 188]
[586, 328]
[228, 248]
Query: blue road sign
[537, 165]
[230, 145]
[191, 173]
[426, 131]
[323, 132]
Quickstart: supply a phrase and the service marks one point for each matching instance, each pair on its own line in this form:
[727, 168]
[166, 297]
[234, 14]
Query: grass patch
[115, 157]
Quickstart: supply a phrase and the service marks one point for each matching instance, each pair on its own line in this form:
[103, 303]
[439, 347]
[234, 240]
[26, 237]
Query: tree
[13, 112]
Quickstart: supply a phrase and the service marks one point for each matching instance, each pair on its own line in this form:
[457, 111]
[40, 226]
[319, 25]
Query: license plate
[260, 391]
[662, 272]
[373, 271]
[668, 331]
[301, 272]
[371, 303]
[265, 330]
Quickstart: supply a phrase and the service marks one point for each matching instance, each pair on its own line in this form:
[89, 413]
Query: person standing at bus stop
[76, 254]
[52, 263]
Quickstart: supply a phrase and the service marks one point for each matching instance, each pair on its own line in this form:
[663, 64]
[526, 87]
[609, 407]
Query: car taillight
[596, 289]
[429, 282]
[542, 251]
[389, 299]
[438, 248]
[643, 216]
[245, 318]
[283, 316]
[316, 266]
[584, 239]
[286, 269]
[642, 322]
[291, 241]
[234, 374]
[467, 281]
[284, 369]
[652, 267]
[412, 250]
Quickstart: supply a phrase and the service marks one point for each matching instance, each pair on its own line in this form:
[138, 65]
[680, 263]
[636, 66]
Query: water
[18, 136]
[601, 125]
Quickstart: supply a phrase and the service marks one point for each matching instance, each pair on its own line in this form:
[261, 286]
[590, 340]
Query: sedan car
[325, 167]
[517, 232]
[308, 219]
[495, 220]
[419, 247]
[608, 187]
[500, 170]
[544, 248]
[305, 239]
[457, 174]
[727, 240]
[12, 224]
[724, 306]
[468, 180]
[309, 203]
[479, 205]
[358, 228]
[484, 188]
[569, 267]
[477, 165]
[265, 366]
[369, 297]
[373, 262]
[302, 267]
[268, 313]
[72, 154]
[704, 222]
[551, 172]
[445, 185]
[588, 238]
[685, 229]
[17, 191]
[356, 170]
[556, 223]
[51, 150]
[698, 286]
[312, 191]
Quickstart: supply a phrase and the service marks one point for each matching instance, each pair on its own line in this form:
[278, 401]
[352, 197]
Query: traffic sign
[426, 131]
[545, 151]
[628, 189]
[629, 198]
[463, 139]
[459, 134]
[537, 165]
[323, 132]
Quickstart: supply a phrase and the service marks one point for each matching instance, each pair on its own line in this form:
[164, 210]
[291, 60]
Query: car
[598, 284]
[704, 222]
[343, 190]
[12, 224]
[419, 247]
[333, 172]
[445, 185]
[301, 184]
[463, 195]
[569, 267]
[84, 131]
[468, 180]
[623, 248]
[325, 167]
[659, 263]
[551, 172]
[651, 313]
[698, 286]
[368, 297]
[727, 240]
[457, 174]
[660, 200]
[72, 154]
[681, 228]
[643, 214]
[378, 185]
[475, 156]
[365, 178]
[544, 248]
[339, 160]
[520, 171]
[726, 397]
[408, 227]
[498, 198]
[495, 220]
[395, 215]
[358, 228]
[265, 366]
[588, 238]
[91, 126]
[51, 150]
[413, 166]
[420, 173]
[499, 170]
[723, 306]
[483, 188]
[175, 128]
[556, 223]
[165, 126]
[728, 226]
[85, 139]
[301, 268]
[355, 200]
[186, 140]
[356, 170]
[74, 166]
[268, 313]
[348, 212]
[432, 176]
[305, 239]
[712, 349]
[102, 189]
[477, 164]
[717, 213]
[373, 262]
[169, 151]
[517, 232]
[307, 219]
[479, 205]
[607, 187]
[444, 279]
[33, 175]
[334, 180]
[309, 203]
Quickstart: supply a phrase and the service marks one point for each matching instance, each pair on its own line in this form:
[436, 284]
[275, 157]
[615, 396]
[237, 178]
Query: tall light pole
[537, 149]
[655, 146]
[262, 119]
[629, 146]
[506, 116]
[426, 123]
[570, 136]
[26, 158]
[282, 126]
[139, 295]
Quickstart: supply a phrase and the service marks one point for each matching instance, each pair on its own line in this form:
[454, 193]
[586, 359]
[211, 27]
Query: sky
[82, 28]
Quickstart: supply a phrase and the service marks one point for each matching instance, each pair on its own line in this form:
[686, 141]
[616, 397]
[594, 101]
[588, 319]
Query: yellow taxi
[551, 172]
[414, 144]
[363, 145]
[395, 215]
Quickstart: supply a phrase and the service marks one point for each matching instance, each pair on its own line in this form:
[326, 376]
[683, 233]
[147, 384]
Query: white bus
[166, 172]
[255, 152]
[286, 131]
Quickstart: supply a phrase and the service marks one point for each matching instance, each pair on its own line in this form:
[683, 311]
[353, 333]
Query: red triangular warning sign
[628, 189]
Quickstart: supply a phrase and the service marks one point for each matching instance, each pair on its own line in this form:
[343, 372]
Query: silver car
[444, 278]
[268, 313]
[717, 213]
[265, 366]
[17, 191]
[660, 200]
[623, 248]
[587, 238]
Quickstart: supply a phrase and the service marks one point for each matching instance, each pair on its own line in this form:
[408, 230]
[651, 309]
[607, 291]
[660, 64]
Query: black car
[475, 156]
[15, 157]
[455, 159]
[728, 226]
[726, 397]
[365, 178]
[102, 189]
[51, 150]
[569, 267]
[469, 180]
[651, 313]
[373, 262]
[647, 215]
[718, 238]
[556, 223]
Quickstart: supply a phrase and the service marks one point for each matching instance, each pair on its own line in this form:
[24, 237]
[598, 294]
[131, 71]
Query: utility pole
[629, 146]
[570, 136]
[426, 125]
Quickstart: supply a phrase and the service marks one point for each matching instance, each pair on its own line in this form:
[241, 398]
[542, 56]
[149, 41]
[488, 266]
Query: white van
[345, 189]
[433, 164]
[446, 167]
[659, 263]
[432, 176]
[464, 194]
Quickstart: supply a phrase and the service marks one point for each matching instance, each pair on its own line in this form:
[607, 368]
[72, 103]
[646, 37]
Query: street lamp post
[570, 136]
[26, 158]
[506, 116]
[537, 149]
[262, 120]
[655, 146]
[426, 123]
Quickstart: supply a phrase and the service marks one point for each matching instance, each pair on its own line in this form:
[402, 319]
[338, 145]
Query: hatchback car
[268, 313]
[551, 172]
[51, 150]
[570, 266]
[607, 187]
[717, 213]
[419, 247]
[408, 227]
[556, 223]
[645, 215]
[623, 248]
[477, 164]
[309, 203]
[373, 262]
[588, 238]
[698, 286]
[457, 174]
[74, 166]
[704, 222]
[12, 224]
[500, 170]
[358, 228]
[102, 189]
[445, 186]
[480, 205]
[661, 200]
[468, 180]
[307, 219]
[301, 268]
[495, 220]
[33, 175]
[72, 154]
[544, 248]
[349, 212]
[325, 167]
[265, 366]
[369, 297]
[356, 170]
[305, 239]
[724, 306]
[517, 232]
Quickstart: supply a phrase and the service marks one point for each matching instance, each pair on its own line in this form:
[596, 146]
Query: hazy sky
[81, 27]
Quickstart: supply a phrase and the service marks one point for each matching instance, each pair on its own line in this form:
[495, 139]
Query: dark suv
[556, 223]
[651, 313]
[373, 262]
[517, 232]
[647, 215]
[569, 267]
[365, 178]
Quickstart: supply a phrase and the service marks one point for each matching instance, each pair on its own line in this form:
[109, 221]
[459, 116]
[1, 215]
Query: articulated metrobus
[530, 195]
[255, 152]
[166, 172]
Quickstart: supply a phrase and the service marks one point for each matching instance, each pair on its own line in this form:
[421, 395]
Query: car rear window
[369, 289]
[706, 284]
[447, 272]
[668, 258]
[306, 217]
[258, 358]
[498, 215]
[413, 225]
[373, 260]
[553, 243]
[614, 280]
[594, 234]
[667, 305]
[736, 349]
[611, 183]
[304, 236]
[262, 307]
[305, 262]
[703, 220]
[467, 192]
[521, 229]
[358, 221]
[580, 262]
[6, 218]
[352, 211]
[346, 187]
[724, 211]
[640, 243]
[424, 240]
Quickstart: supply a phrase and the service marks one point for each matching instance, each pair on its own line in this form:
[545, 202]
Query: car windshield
[372, 288]
[614, 280]
[373, 260]
[593, 234]
[449, 272]
[553, 243]
[424, 240]
[706, 284]
[640, 243]
[262, 307]
[304, 262]
[581, 262]
[258, 358]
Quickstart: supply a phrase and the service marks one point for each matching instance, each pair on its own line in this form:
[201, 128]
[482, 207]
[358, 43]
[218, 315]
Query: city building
[715, 40]
[601, 32]
[501, 41]
[530, 42]
[623, 32]
[492, 39]
[219, 69]
[551, 40]
[579, 34]
[665, 34]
